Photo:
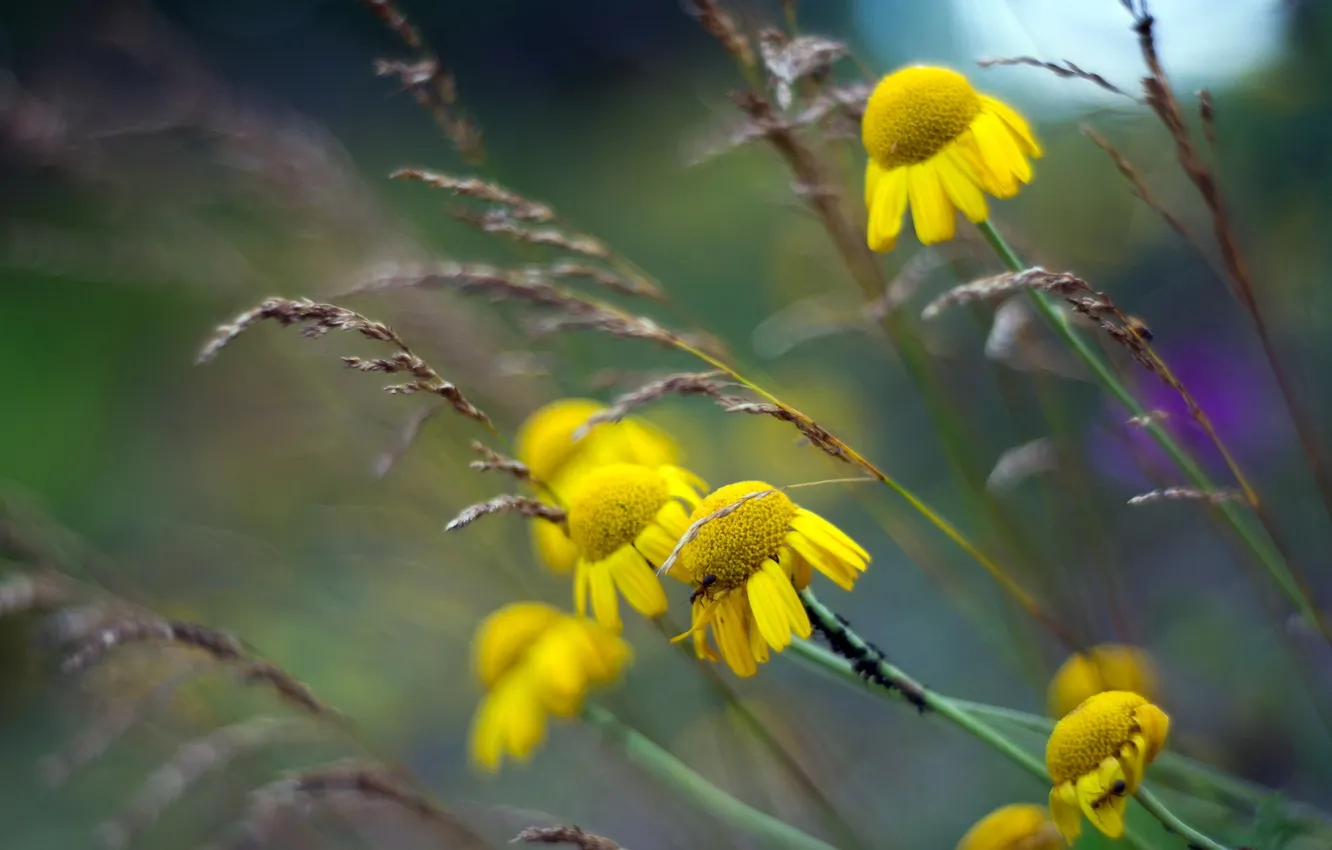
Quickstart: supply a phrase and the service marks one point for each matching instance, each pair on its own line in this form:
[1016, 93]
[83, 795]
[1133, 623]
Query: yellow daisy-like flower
[624, 520]
[1020, 826]
[935, 141]
[1096, 756]
[547, 446]
[747, 565]
[535, 661]
[1107, 667]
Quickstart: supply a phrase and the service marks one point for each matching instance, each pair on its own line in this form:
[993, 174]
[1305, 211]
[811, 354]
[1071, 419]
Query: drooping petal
[1015, 124]
[637, 583]
[655, 544]
[873, 173]
[582, 587]
[505, 635]
[605, 604]
[841, 574]
[827, 535]
[730, 626]
[930, 209]
[507, 720]
[1131, 758]
[769, 610]
[1004, 163]
[1155, 726]
[887, 210]
[799, 569]
[1064, 810]
[961, 187]
[1102, 797]
[553, 547]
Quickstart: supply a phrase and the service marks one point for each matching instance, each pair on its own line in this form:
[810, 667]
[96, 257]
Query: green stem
[1191, 836]
[642, 752]
[1259, 544]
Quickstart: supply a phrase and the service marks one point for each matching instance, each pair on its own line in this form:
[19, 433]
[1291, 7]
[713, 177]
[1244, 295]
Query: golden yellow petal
[842, 574]
[757, 643]
[829, 536]
[769, 611]
[930, 210]
[1102, 797]
[508, 720]
[605, 604]
[553, 547]
[800, 570]
[961, 188]
[1155, 726]
[1003, 161]
[873, 172]
[1133, 764]
[797, 619]
[887, 210]
[637, 583]
[1018, 826]
[1015, 123]
[505, 635]
[1064, 810]
[582, 586]
[730, 626]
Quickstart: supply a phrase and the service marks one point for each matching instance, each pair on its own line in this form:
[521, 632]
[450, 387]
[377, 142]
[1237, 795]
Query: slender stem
[1191, 836]
[646, 754]
[1259, 544]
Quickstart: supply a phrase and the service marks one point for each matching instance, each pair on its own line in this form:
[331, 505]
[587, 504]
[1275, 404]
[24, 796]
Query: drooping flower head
[747, 565]
[1019, 826]
[624, 521]
[1096, 756]
[936, 142]
[1107, 667]
[535, 661]
[547, 444]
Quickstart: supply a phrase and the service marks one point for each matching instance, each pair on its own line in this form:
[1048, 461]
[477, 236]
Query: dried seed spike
[606, 320]
[321, 318]
[518, 206]
[1176, 494]
[195, 760]
[496, 461]
[988, 288]
[565, 835]
[682, 383]
[289, 689]
[469, 278]
[637, 285]
[497, 222]
[721, 26]
[697, 525]
[504, 504]
[817, 435]
[789, 61]
[137, 629]
[1207, 111]
[21, 592]
[1067, 71]
[1135, 180]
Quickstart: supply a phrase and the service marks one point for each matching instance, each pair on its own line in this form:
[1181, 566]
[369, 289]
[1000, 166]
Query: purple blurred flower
[1232, 388]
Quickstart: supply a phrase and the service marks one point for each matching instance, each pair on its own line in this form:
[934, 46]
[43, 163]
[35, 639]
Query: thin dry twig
[1207, 112]
[196, 760]
[697, 525]
[682, 383]
[1066, 70]
[721, 26]
[517, 206]
[321, 318]
[433, 87]
[493, 460]
[846, 103]
[1178, 494]
[1135, 180]
[565, 835]
[507, 503]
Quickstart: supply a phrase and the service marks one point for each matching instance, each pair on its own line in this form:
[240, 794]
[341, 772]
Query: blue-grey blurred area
[165, 166]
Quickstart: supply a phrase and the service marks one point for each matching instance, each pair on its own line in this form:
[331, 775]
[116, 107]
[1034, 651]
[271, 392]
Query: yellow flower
[1108, 667]
[1020, 826]
[624, 520]
[1096, 756]
[934, 140]
[535, 661]
[547, 446]
[747, 565]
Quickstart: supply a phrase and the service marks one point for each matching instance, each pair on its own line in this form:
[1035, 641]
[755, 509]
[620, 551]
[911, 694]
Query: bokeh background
[166, 165]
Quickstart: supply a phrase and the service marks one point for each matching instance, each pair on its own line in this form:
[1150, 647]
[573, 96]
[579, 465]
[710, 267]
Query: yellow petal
[655, 544]
[757, 643]
[961, 187]
[1015, 123]
[553, 547]
[768, 607]
[797, 619]
[637, 583]
[828, 536]
[1131, 758]
[507, 720]
[1102, 797]
[505, 635]
[873, 173]
[1004, 163]
[800, 570]
[1064, 810]
[886, 212]
[582, 586]
[1017, 826]
[605, 604]
[729, 626]
[1155, 726]
[930, 209]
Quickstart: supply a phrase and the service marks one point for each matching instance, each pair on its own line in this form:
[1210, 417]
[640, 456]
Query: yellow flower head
[747, 565]
[1108, 667]
[535, 661]
[934, 140]
[1020, 826]
[1096, 756]
[624, 521]
[547, 445]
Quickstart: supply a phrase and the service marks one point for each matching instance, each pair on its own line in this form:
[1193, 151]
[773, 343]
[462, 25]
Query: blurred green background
[166, 166]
